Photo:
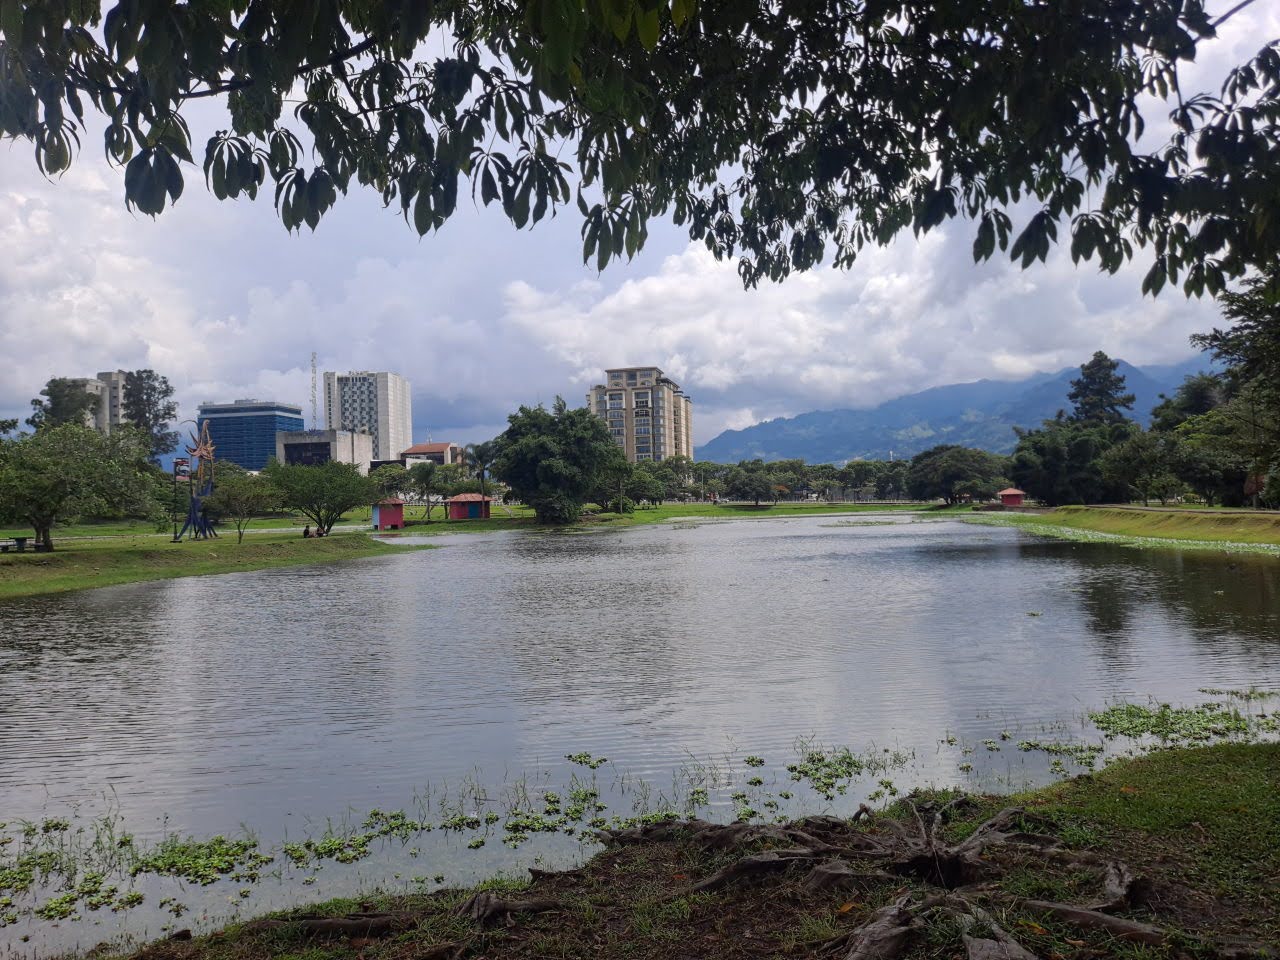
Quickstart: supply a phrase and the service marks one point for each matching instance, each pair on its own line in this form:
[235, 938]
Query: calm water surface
[281, 698]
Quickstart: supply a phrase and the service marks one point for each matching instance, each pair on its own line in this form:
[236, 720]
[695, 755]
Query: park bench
[14, 543]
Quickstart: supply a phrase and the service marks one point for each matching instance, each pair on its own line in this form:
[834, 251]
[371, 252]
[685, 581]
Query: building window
[618, 432]
[642, 428]
[643, 448]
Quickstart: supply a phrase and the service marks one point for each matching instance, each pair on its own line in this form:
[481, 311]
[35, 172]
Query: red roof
[1011, 491]
[468, 498]
[390, 502]
[427, 448]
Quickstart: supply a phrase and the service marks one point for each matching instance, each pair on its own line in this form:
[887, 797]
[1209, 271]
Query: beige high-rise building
[648, 414]
[108, 387]
[377, 403]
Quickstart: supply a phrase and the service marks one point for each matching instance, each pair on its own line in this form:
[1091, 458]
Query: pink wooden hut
[388, 514]
[1012, 497]
[469, 506]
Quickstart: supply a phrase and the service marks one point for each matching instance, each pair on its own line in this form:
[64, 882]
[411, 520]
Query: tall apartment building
[108, 387]
[377, 403]
[244, 432]
[648, 414]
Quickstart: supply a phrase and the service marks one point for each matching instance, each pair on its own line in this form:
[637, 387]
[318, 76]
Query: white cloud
[910, 316]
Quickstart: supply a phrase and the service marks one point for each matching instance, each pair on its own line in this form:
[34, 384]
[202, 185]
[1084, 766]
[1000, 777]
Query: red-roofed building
[441, 453]
[1012, 497]
[469, 506]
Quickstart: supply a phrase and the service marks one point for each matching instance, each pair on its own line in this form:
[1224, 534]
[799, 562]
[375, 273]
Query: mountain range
[980, 414]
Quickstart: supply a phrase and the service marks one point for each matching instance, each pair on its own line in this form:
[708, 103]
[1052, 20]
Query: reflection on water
[285, 696]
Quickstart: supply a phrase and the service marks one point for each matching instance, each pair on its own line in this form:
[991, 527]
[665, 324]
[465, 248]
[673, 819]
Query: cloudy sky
[481, 318]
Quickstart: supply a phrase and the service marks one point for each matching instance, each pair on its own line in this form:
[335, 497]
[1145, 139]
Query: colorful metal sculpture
[201, 485]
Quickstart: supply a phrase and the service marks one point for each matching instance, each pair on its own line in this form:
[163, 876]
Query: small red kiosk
[388, 514]
[1012, 497]
[469, 506]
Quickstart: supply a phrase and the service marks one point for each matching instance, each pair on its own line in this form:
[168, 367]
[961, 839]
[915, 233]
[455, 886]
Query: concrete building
[108, 387]
[376, 402]
[320, 446]
[441, 453]
[648, 414]
[244, 432]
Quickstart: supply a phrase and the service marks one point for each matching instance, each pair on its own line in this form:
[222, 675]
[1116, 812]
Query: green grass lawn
[79, 564]
[522, 517]
[1215, 527]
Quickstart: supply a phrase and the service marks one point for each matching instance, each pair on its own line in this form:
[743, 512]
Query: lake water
[277, 701]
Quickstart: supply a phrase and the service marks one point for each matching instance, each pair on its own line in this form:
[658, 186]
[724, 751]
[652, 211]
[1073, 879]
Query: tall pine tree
[1098, 393]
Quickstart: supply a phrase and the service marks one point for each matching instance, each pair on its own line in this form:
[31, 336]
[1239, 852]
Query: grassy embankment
[79, 564]
[1153, 525]
[1201, 826]
[666, 513]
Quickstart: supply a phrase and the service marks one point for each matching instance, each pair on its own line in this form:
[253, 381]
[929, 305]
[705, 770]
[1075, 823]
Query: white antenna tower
[313, 391]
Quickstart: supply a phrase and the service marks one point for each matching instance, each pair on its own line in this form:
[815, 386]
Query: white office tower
[375, 403]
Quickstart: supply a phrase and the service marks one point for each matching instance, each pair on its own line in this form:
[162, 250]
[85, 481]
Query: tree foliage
[951, 472]
[480, 457]
[149, 407]
[61, 401]
[321, 492]
[780, 134]
[751, 480]
[240, 496]
[1097, 394]
[390, 479]
[63, 472]
[426, 481]
[553, 460]
[1061, 462]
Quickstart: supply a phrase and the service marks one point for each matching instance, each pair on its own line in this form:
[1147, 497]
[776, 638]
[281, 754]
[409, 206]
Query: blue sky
[481, 318]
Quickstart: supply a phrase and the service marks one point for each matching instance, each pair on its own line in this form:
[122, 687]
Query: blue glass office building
[244, 432]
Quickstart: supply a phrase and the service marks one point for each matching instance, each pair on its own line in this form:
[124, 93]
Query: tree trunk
[44, 536]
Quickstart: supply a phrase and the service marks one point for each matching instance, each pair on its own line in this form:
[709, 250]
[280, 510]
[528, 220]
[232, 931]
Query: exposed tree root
[484, 907]
[754, 867]
[1087, 919]
[838, 875]
[723, 836]
[1124, 891]
[444, 951]
[885, 935]
[914, 848]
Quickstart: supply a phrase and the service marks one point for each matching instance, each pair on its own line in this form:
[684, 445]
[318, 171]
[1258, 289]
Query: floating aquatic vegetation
[586, 760]
[1084, 754]
[1169, 724]
[201, 861]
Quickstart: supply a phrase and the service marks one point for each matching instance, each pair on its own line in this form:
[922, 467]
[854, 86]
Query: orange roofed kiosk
[469, 506]
[1011, 497]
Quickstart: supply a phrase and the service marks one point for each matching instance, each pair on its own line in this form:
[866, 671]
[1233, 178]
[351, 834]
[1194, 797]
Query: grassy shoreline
[80, 565]
[1239, 531]
[1200, 827]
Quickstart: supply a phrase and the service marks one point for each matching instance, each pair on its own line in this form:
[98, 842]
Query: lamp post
[178, 463]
